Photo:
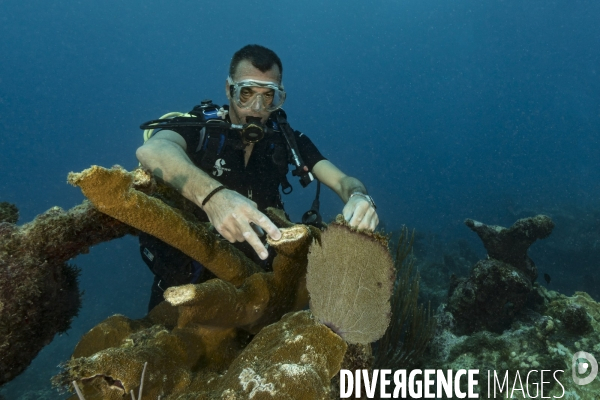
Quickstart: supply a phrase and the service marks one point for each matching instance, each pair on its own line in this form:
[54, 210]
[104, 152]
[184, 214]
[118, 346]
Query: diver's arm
[164, 155]
[229, 212]
[358, 211]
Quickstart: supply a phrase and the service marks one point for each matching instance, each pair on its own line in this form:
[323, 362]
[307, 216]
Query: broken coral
[263, 297]
[293, 358]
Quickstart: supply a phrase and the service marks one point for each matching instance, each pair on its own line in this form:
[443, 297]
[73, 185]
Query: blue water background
[446, 110]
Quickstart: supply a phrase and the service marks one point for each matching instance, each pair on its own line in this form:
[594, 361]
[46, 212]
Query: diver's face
[245, 70]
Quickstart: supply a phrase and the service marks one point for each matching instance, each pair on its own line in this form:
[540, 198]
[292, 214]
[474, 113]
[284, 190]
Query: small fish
[547, 278]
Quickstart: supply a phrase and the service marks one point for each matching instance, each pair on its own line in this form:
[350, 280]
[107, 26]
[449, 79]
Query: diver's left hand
[359, 213]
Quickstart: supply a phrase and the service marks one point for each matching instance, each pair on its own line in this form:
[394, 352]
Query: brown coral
[263, 297]
[112, 192]
[510, 245]
[201, 329]
[294, 358]
[350, 277]
[193, 338]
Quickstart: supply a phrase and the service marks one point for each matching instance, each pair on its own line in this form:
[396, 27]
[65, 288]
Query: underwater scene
[474, 127]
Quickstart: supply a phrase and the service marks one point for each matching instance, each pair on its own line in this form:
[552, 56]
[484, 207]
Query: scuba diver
[230, 161]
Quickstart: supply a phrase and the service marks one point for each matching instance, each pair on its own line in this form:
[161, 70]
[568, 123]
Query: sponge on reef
[350, 279]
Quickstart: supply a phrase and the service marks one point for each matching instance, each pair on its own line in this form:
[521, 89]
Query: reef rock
[497, 287]
[38, 289]
[545, 335]
[8, 213]
[510, 245]
[294, 358]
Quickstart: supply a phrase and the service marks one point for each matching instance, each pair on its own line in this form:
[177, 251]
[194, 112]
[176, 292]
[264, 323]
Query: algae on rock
[538, 339]
[39, 293]
[8, 213]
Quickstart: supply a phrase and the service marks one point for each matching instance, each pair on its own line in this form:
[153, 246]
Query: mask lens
[249, 94]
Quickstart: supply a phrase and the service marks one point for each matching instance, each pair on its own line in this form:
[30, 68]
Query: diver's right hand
[231, 214]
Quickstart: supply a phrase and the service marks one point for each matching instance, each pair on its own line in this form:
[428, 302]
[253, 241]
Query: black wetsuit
[221, 155]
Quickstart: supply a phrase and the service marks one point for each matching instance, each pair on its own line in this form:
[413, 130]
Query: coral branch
[112, 192]
[262, 299]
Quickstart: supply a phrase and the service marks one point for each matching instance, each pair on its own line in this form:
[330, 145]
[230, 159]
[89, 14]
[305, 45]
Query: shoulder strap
[295, 158]
[211, 139]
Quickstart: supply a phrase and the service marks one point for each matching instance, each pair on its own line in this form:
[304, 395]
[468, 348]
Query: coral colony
[338, 316]
[197, 343]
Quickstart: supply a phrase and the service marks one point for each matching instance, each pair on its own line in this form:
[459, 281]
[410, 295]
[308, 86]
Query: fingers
[237, 228]
[249, 235]
[361, 215]
[267, 225]
[361, 219]
[347, 212]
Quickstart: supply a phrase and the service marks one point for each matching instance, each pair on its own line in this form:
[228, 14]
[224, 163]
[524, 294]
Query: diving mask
[245, 95]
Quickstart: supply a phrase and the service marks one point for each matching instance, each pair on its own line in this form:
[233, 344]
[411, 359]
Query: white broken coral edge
[81, 397]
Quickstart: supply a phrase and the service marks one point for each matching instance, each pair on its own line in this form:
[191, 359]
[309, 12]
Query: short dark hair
[260, 57]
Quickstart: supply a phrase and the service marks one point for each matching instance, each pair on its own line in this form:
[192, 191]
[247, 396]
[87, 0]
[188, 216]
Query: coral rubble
[38, 289]
[497, 287]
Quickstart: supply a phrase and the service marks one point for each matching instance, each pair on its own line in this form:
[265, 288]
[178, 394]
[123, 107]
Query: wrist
[212, 193]
[364, 196]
